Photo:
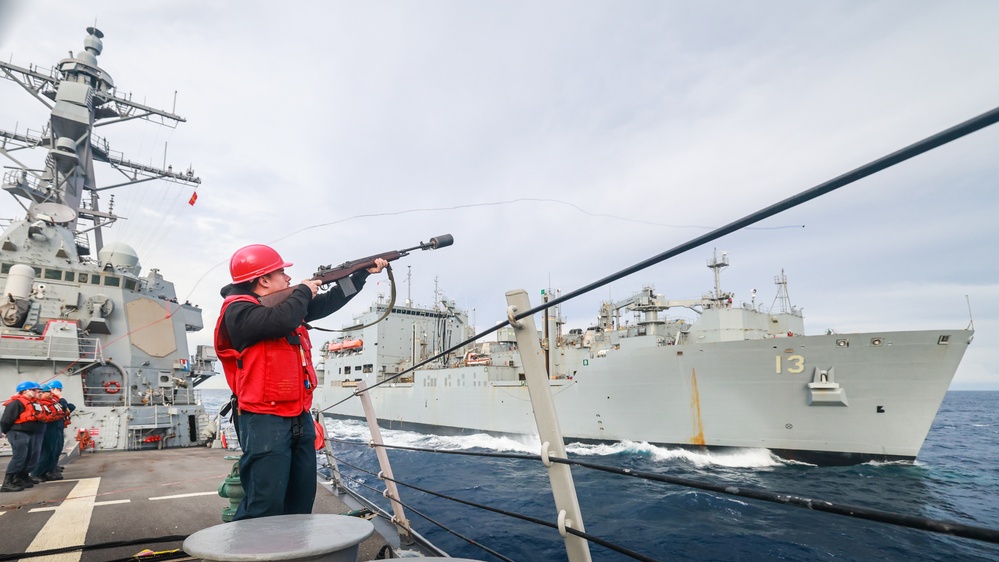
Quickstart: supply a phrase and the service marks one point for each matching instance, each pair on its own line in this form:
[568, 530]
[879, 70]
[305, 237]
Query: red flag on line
[193, 199]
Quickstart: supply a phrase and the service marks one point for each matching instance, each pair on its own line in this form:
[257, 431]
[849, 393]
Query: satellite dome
[121, 256]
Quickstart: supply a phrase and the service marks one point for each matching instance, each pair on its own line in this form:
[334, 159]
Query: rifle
[341, 273]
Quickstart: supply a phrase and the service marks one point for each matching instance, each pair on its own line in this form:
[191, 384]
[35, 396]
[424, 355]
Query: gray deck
[118, 496]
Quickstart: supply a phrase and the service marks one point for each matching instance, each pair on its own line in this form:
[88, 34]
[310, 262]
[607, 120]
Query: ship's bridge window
[368, 368]
[346, 370]
[53, 274]
[112, 281]
[70, 276]
[5, 268]
[130, 284]
[95, 279]
[38, 271]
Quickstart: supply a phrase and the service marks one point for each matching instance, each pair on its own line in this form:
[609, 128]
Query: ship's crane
[645, 301]
[650, 305]
[610, 312]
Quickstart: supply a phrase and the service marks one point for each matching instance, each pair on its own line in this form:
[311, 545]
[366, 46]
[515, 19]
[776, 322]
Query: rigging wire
[421, 514]
[160, 234]
[522, 517]
[92, 547]
[459, 207]
[142, 227]
[911, 521]
[508, 202]
[915, 149]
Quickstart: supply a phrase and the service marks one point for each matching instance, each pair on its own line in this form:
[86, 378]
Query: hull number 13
[792, 364]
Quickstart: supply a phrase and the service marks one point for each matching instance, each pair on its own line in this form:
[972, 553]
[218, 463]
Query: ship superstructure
[76, 309]
[737, 376]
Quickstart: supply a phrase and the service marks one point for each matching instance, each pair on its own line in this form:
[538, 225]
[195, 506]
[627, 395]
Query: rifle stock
[340, 274]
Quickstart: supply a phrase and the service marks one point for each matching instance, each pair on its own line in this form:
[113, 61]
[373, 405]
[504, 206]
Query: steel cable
[915, 149]
[87, 548]
[528, 518]
[421, 514]
[898, 519]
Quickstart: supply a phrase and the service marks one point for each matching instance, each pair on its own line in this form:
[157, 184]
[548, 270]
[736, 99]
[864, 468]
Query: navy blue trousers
[277, 469]
[51, 448]
[36, 448]
[20, 447]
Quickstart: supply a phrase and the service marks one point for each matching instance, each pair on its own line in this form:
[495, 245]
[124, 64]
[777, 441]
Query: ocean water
[955, 478]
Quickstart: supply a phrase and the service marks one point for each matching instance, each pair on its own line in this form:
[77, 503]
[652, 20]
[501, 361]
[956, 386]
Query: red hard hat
[254, 261]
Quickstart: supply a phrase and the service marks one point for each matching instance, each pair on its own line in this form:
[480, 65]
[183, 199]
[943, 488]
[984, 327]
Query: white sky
[577, 138]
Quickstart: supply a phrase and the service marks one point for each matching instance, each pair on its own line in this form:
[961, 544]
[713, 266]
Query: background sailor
[54, 438]
[21, 417]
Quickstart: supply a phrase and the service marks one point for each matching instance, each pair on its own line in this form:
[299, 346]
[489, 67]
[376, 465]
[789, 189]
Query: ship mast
[81, 96]
[782, 296]
[714, 264]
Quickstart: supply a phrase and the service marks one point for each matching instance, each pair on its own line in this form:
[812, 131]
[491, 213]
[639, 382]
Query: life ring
[112, 387]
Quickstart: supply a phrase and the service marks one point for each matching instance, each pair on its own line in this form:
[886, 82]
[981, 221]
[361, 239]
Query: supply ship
[78, 310]
[82, 312]
[737, 376]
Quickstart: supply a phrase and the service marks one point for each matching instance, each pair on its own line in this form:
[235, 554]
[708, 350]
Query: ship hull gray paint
[716, 395]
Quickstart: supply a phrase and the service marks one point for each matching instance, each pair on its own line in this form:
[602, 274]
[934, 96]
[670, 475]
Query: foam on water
[950, 481]
[738, 458]
[891, 463]
[358, 431]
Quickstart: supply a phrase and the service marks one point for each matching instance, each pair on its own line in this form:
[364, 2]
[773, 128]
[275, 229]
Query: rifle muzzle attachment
[441, 241]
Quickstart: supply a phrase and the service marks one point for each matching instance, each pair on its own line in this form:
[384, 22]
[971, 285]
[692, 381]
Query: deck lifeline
[126, 495]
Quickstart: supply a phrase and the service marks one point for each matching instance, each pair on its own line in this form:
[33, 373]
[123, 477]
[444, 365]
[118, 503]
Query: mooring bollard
[329, 538]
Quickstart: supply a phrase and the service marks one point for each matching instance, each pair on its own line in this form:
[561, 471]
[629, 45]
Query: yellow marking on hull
[695, 409]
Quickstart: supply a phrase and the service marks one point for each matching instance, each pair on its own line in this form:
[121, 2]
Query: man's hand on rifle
[314, 284]
[380, 264]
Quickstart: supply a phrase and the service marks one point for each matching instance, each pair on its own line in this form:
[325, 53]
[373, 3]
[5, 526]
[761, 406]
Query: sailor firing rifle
[340, 274]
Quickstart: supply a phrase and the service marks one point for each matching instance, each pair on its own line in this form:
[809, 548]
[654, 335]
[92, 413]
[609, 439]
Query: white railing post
[391, 491]
[569, 515]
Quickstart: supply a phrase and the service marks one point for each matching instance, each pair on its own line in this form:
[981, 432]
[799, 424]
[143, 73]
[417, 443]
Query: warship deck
[127, 495]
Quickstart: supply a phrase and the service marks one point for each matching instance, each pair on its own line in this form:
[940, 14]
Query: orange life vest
[32, 410]
[272, 376]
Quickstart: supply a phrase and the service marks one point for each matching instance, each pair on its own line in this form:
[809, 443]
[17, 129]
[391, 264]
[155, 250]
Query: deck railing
[52, 348]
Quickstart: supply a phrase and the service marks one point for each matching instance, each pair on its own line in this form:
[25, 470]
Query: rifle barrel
[442, 241]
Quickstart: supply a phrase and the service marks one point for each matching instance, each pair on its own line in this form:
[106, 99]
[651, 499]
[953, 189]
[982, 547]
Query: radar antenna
[80, 96]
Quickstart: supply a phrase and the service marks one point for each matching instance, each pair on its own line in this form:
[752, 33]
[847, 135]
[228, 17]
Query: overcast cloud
[558, 142]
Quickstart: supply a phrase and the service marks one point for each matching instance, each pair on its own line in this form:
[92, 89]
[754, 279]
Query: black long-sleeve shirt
[13, 411]
[249, 323]
[10, 415]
